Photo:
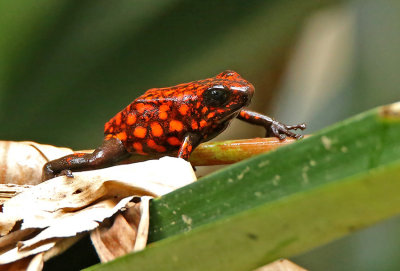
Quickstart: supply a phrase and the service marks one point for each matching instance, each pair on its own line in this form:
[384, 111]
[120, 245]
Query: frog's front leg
[273, 127]
[111, 151]
[190, 142]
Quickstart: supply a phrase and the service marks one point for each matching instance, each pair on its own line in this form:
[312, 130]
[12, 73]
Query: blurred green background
[66, 67]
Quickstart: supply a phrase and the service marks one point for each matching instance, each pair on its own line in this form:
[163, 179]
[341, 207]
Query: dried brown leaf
[11, 239]
[7, 191]
[15, 254]
[127, 233]
[48, 201]
[143, 229]
[22, 162]
[32, 263]
[66, 207]
[7, 223]
[73, 223]
[114, 240]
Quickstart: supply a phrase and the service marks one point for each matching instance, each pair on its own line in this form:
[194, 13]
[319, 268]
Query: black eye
[216, 97]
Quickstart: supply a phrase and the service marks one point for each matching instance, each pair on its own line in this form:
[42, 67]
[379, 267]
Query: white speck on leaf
[276, 179]
[263, 163]
[257, 194]
[344, 149]
[313, 163]
[230, 180]
[187, 220]
[241, 175]
[305, 175]
[326, 142]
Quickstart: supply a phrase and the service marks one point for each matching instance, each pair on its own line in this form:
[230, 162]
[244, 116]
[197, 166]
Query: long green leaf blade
[281, 203]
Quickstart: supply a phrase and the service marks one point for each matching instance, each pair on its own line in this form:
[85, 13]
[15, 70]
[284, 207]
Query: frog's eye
[216, 96]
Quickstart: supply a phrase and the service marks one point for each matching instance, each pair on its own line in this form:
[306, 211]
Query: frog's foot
[281, 130]
[273, 127]
[65, 172]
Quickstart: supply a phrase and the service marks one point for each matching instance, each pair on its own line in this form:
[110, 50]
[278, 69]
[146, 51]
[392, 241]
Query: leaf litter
[40, 221]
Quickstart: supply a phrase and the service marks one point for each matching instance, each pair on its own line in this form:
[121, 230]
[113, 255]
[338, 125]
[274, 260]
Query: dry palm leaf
[22, 162]
[38, 220]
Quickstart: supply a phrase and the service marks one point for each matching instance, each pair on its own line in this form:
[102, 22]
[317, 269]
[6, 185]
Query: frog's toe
[66, 172]
[281, 131]
[301, 126]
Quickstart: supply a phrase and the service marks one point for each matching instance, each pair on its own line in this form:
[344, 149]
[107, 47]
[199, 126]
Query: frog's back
[156, 122]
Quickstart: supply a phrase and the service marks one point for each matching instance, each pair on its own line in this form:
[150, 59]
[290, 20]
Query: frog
[173, 121]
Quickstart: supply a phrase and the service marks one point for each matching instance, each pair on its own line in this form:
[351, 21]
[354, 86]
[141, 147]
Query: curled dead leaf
[126, 233]
[40, 219]
[22, 162]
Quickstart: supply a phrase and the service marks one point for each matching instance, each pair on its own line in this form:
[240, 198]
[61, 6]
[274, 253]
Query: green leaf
[281, 203]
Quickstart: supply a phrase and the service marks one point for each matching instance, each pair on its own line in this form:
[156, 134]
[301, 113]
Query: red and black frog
[172, 120]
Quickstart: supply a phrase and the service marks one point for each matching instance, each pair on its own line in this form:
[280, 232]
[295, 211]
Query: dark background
[66, 67]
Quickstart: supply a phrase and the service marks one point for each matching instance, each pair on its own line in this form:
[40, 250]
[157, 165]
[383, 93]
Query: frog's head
[225, 95]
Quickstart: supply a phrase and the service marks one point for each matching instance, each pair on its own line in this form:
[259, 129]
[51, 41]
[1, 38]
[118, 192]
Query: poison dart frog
[172, 120]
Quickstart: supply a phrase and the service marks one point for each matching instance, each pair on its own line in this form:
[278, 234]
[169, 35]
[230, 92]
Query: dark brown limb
[109, 153]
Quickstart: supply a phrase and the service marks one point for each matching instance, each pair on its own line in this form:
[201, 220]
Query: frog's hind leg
[110, 152]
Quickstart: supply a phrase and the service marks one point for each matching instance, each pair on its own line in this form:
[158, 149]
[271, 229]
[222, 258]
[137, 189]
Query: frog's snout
[247, 93]
[250, 90]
